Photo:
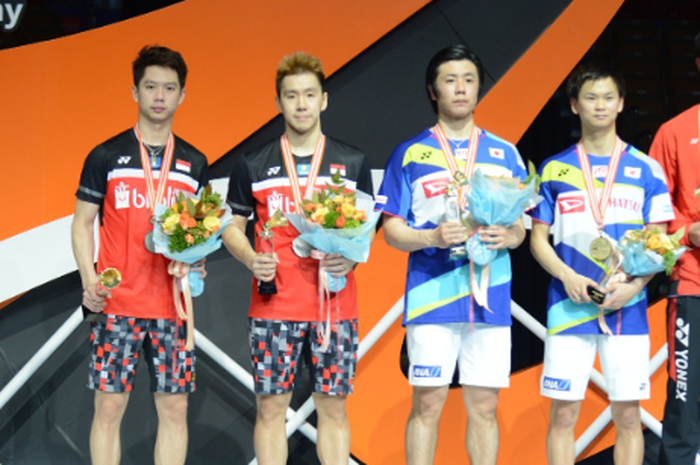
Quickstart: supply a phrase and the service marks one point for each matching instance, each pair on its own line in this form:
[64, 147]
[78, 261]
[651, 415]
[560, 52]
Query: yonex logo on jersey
[571, 205]
[121, 196]
[694, 141]
[423, 371]
[556, 384]
[123, 159]
[682, 331]
[273, 170]
[435, 187]
[599, 171]
[632, 172]
[497, 153]
[461, 154]
[335, 168]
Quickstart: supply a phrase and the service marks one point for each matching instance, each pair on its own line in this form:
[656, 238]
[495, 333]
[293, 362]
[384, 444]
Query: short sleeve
[395, 194]
[240, 194]
[93, 178]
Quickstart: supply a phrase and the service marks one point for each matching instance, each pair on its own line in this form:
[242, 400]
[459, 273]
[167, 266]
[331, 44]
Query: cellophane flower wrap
[190, 229]
[337, 221]
[649, 251]
[498, 201]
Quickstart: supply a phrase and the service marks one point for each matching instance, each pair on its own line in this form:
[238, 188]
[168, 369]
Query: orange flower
[189, 238]
[340, 222]
[187, 222]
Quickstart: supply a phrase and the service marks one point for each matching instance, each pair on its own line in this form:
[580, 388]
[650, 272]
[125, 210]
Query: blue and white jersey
[639, 196]
[437, 289]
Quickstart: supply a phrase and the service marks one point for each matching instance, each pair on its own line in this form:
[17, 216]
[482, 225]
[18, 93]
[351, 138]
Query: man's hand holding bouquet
[334, 221]
[186, 232]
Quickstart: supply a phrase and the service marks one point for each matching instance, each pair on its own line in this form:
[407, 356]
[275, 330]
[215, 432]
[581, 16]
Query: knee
[481, 403]
[331, 409]
[109, 408]
[172, 409]
[428, 403]
[271, 408]
[563, 417]
[627, 419]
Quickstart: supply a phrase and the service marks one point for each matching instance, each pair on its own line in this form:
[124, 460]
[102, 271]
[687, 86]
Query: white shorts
[568, 360]
[483, 354]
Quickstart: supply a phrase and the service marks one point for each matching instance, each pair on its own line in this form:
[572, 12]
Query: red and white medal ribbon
[599, 206]
[450, 157]
[181, 287]
[155, 195]
[323, 330]
[479, 290]
[292, 170]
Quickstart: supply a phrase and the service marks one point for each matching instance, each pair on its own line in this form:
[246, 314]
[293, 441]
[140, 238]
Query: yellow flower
[338, 199]
[212, 223]
[660, 243]
[348, 209]
[319, 215]
[170, 223]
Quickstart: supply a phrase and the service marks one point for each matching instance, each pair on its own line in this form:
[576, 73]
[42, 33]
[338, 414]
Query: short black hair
[155, 55]
[451, 53]
[593, 72]
[697, 46]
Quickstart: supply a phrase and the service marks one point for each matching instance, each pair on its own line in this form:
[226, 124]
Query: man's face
[456, 91]
[158, 94]
[301, 102]
[598, 103]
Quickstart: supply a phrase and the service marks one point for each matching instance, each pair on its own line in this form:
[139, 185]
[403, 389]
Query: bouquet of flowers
[335, 221]
[640, 252]
[649, 251]
[498, 201]
[186, 232]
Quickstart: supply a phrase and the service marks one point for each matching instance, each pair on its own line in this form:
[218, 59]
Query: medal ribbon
[154, 196]
[450, 157]
[292, 170]
[598, 207]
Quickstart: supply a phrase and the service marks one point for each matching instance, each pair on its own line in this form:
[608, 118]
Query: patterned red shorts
[275, 348]
[116, 342]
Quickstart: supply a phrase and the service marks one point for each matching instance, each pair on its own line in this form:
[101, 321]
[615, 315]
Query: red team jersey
[677, 148]
[259, 184]
[113, 178]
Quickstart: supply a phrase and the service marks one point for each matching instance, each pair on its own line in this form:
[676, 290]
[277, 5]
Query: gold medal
[601, 249]
[110, 278]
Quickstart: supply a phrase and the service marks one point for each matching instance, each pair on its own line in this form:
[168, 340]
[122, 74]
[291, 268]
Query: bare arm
[83, 241]
[574, 283]
[263, 266]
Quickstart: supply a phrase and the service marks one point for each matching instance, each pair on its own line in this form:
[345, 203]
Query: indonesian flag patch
[335, 168]
[182, 165]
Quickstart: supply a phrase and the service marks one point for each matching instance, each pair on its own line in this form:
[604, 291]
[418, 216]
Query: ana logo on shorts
[556, 384]
[422, 371]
